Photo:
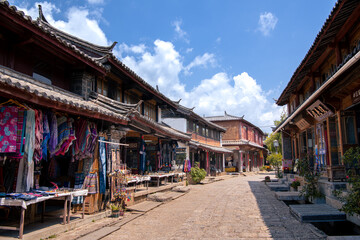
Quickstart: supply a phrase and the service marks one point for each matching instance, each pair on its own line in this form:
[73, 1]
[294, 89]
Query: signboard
[302, 124]
[180, 150]
[355, 96]
[319, 111]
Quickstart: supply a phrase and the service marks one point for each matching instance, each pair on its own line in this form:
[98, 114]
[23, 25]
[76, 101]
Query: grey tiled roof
[190, 112]
[228, 117]
[160, 128]
[209, 147]
[241, 143]
[11, 78]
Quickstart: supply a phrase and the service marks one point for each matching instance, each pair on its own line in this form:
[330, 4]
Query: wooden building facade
[322, 96]
[206, 137]
[244, 139]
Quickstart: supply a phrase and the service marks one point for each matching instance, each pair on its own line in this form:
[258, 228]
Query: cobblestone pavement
[236, 208]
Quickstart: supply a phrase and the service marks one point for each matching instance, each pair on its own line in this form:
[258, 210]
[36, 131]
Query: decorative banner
[319, 111]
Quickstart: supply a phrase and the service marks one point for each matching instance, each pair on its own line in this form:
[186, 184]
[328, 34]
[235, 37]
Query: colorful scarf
[8, 129]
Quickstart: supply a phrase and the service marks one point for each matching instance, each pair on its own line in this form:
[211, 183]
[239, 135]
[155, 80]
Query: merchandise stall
[48, 155]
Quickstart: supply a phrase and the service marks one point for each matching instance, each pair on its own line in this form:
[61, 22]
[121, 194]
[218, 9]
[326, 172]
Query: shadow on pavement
[277, 217]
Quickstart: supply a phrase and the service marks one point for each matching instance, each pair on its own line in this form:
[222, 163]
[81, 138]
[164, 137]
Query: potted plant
[116, 209]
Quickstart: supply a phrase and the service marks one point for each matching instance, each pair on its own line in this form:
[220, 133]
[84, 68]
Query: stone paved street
[236, 208]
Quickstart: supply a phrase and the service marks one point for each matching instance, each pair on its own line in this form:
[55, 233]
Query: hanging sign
[302, 124]
[355, 96]
[319, 111]
[180, 150]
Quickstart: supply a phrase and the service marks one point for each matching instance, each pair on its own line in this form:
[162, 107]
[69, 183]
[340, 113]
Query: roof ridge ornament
[41, 17]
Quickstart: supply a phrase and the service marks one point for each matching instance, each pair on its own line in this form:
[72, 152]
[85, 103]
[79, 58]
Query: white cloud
[238, 95]
[204, 60]
[181, 34]
[95, 1]
[218, 40]
[162, 65]
[78, 23]
[267, 23]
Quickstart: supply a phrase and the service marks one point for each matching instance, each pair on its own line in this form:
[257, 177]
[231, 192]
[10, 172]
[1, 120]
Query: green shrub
[310, 189]
[352, 199]
[295, 184]
[197, 174]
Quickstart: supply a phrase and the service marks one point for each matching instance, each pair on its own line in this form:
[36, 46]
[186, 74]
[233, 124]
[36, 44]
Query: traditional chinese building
[205, 146]
[322, 96]
[82, 98]
[244, 139]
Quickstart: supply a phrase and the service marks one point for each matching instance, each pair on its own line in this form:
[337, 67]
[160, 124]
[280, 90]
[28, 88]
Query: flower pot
[115, 213]
[121, 213]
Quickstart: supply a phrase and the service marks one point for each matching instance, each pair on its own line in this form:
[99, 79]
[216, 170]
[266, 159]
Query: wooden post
[340, 136]
[329, 142]
[69, 210]
[42, 211]
[65, 211]
[83, 208]
[21, 228]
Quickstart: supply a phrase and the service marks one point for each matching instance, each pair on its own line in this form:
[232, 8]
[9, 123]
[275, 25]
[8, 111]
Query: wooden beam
[354, 17]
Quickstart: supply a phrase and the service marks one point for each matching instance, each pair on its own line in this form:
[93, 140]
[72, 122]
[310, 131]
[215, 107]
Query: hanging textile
[8, 129]
[53, 141]
[82, 138]
[46, 137]
[92, 141]
[20, 138]
[187, 166]
[79, 181]
[91, 183]
[142, 155]
[39, 130]
[66, 135]
[25, 177]
[102, 166]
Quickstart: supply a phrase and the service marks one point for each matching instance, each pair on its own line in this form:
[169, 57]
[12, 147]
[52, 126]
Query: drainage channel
[344, 228]
[330, 228]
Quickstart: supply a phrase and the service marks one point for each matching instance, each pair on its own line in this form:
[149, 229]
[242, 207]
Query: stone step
[316, 213]
[164, 196]
[278, 187]
[289, 196]
[144, 206]
[182, 189]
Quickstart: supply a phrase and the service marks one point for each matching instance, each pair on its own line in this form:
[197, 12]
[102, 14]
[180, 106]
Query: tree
[275, 160]
[269, 141]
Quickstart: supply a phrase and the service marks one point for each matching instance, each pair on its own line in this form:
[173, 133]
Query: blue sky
[229, 55]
